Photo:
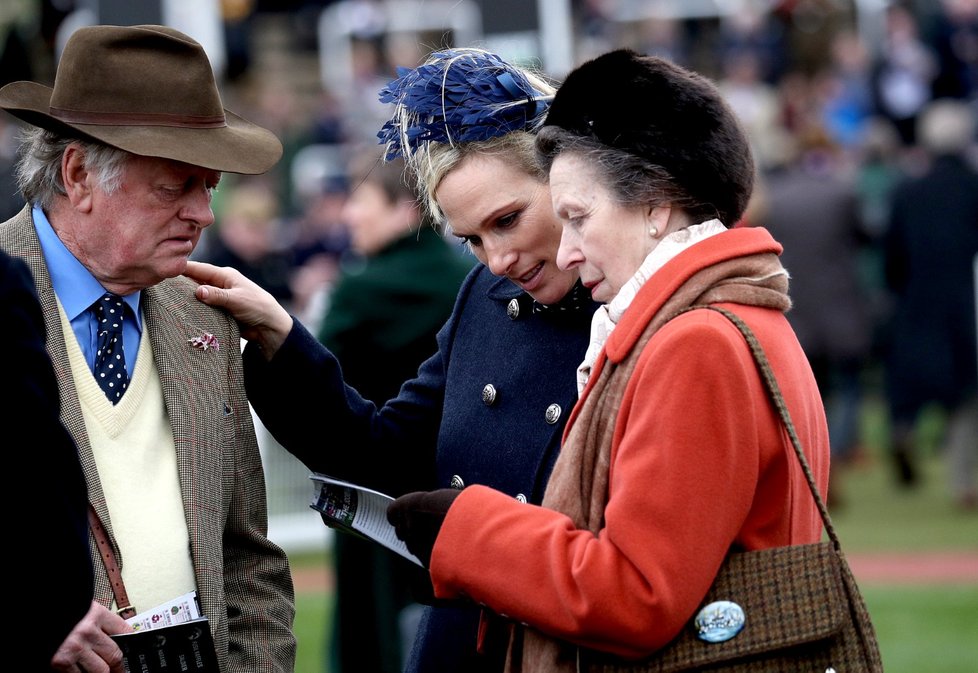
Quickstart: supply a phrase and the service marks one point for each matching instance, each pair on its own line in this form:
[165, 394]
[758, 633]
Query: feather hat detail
[457, 96]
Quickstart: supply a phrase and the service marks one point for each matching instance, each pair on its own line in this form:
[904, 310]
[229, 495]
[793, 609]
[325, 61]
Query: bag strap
[123, 608]
[774, 391]
[857, 607]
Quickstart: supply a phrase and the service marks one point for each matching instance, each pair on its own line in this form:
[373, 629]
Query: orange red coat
[700, 464]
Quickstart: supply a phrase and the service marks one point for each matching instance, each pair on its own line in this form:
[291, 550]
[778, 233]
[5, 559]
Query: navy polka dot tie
[110, 359]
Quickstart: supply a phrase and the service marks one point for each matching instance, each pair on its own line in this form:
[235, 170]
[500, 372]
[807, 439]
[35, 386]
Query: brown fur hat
[668, 116]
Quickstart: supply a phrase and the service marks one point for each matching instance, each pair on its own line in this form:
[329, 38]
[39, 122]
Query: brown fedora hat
[148, 90]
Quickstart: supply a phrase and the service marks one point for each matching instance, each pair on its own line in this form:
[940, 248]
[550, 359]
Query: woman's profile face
[505, 216]
[604, 241]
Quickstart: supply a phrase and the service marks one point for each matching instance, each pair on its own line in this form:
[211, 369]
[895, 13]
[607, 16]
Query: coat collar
[664, 283]
[503, 289]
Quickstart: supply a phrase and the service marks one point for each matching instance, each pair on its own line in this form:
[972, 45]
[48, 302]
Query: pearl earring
[653, 232]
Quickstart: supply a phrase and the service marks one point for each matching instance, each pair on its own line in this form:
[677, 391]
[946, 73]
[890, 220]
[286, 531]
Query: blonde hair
[441, 158]
[431, 160]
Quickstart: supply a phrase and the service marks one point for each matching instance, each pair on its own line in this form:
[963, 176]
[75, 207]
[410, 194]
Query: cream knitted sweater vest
[137, 466]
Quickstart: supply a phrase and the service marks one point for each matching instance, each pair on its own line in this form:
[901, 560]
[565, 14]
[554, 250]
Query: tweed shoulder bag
[794, 608]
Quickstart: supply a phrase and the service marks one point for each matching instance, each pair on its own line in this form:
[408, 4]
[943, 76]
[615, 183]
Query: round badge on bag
[719, 621]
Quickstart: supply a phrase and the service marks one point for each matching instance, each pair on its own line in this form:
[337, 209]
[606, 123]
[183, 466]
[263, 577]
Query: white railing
[292, 524]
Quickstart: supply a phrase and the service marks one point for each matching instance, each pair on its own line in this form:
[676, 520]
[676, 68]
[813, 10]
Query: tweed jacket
[487, 408]
[243, 579]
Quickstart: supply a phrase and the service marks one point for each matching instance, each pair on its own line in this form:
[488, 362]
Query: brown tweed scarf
[578, 485]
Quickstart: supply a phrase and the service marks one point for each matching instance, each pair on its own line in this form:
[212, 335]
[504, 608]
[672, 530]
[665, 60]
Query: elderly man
[118, 171]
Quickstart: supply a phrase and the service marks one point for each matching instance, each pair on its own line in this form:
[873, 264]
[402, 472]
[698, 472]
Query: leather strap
[123, 607]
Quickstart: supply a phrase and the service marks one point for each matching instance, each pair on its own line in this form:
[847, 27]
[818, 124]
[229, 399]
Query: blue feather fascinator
[458, 96]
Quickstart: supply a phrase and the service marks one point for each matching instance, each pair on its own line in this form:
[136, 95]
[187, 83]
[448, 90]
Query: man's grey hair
[39, 165]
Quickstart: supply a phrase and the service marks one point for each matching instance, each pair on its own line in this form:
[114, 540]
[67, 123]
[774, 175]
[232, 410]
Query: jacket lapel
[184, 375]
[188, 377]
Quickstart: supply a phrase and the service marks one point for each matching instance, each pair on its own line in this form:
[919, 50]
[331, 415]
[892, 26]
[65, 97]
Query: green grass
[926, 629]
[920, 629]
[875, 515]
[930, 629]
[313, 619]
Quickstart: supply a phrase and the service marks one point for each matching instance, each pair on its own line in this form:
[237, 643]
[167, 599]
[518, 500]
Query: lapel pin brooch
[205, 341]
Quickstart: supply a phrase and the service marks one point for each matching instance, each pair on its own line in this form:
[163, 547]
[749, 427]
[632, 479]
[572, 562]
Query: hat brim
[238, 147]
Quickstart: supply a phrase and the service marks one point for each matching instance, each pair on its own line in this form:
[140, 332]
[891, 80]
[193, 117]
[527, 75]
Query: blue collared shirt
[77, 290]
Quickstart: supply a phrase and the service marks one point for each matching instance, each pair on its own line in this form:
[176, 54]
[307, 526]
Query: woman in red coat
[673, 456]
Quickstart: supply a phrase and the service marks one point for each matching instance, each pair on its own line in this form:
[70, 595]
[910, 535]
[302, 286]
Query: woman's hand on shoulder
[261, 317]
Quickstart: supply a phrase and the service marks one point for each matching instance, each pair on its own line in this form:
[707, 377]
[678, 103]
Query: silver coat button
[513, 309]
[457, 482]
[553, 413]
[489, 395]
[520, 498]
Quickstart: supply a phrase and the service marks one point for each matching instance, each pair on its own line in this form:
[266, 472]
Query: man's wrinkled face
[145, 230]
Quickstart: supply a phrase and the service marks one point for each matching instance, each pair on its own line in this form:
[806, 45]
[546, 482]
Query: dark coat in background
[488, 407]
[816, 218]
[930, 249]
[815, 215]
[384, 313]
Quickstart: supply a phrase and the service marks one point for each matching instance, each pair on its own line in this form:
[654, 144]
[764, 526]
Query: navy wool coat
[489, 407]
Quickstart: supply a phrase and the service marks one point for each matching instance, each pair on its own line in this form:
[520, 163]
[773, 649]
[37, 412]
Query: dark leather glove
[417, 518]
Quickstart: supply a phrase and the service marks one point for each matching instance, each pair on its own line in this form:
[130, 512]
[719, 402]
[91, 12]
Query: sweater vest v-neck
[132, 443]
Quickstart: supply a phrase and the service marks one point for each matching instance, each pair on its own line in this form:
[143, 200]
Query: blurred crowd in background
[853, 108]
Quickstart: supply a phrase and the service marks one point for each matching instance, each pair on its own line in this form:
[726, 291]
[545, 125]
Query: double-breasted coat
[382, 320]
[243, 579]
[487, 408]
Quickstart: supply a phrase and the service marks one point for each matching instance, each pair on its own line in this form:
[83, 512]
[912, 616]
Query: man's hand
[88, 648]
[261, 318]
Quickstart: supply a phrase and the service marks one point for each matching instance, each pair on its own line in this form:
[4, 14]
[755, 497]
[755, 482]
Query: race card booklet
[181, 609]
[357, 510]
[183, 646]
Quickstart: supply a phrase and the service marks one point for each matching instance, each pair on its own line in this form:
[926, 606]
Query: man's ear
[76, 178]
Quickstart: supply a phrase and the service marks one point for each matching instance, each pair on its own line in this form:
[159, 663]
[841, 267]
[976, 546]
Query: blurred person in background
[755, 102]
[761, 32]
[320, 241]
[956, 44]
[490, 405]
[812, 208]
[10, 201]
[384, 312]
[246, 235]
[877, 169]
[16, 16]
[930, 249]
[902, 72]
[845, 91]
